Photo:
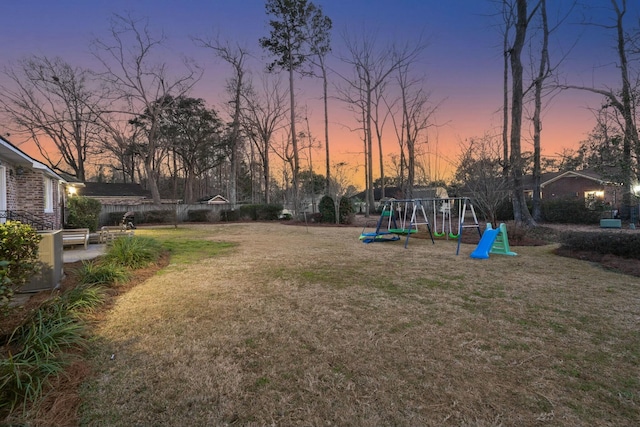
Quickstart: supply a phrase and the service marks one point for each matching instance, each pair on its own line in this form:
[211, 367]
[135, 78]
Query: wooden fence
[181, 211]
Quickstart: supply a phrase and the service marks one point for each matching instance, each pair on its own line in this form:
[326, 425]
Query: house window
[48, 195]
[592, 199]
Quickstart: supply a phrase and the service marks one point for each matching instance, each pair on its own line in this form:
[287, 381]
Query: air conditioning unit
[51, 264]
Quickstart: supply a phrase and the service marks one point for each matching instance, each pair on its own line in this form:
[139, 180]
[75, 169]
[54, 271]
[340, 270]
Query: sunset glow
[462, 65]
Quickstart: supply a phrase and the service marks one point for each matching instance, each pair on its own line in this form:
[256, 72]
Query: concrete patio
[75, 254]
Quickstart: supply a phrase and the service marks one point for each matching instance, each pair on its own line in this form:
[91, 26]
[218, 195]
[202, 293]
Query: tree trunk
[369, 154]
[326, 128]
[505, 106]
[630, 130]
[537, 121]
[520, 211]
[294, 143]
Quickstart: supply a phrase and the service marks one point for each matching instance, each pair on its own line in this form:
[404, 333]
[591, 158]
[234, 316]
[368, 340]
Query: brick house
[30, 192]
[33, 194]
[586, 185]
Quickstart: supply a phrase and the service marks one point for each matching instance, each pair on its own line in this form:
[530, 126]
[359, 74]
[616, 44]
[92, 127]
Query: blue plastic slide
[485, 244]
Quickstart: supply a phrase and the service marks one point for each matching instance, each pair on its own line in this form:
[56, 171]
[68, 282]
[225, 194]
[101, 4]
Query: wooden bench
[109, 233]
[75, 236]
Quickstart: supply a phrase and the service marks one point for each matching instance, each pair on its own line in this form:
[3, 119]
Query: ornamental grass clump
[133, 252]
[38, 349]
[101, 273]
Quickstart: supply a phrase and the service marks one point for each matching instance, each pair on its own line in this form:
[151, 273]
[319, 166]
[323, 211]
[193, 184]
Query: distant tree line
[136, 118]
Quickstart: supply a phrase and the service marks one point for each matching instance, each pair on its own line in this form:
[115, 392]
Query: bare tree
[121, 143]
[544, 71]
[51, 101]
[236, 56]
[623, 100]
[479, 170]
[263, 115]
[417, 115]
[379, 117]
[320, 44]
[372, 67]
[520, 211]
[140, 83]
[508, 17]
[541, 89]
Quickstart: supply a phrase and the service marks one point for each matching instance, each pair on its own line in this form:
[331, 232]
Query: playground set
[404, 217]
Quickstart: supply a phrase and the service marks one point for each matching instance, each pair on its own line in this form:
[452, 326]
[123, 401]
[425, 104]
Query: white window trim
[48, 195]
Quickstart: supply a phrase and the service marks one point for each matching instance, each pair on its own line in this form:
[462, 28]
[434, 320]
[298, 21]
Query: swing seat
[403, 231]
[379, 237]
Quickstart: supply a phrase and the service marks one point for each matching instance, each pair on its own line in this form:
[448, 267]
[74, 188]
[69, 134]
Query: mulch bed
[622, 265]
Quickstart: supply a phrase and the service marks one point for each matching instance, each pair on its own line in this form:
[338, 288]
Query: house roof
[18, 157]
[108, 189]
[548, 178]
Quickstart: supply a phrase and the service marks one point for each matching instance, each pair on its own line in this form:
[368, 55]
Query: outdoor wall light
[19, 170]
[72, 191]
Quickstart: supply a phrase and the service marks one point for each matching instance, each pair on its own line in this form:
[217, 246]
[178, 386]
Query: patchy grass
[186, 245]
[314, 327]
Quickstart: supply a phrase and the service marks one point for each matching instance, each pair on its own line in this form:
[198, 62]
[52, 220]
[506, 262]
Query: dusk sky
[462, 63]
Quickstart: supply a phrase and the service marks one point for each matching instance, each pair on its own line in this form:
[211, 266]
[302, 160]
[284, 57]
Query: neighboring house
[115, 193]
[586, 185]
[30, 192]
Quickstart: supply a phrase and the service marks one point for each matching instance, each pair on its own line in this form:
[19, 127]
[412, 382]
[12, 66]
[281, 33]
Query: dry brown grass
[310, 326]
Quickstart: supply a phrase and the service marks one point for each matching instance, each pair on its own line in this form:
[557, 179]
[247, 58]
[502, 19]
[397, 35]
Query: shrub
[229, 215]
[619, 244]
[285, 215]
[198, 215]
[314, 217]
[248, 212]
[115, 218]
[254, 212]
[504, 212]
[327, 209]
[19, 256]
[568, 211]
[133, 252]
[268, 212]
[84, 212]
[160, 216]
[346, 211]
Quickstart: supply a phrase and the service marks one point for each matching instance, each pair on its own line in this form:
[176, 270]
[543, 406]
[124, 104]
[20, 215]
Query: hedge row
[254, 212]
[160, 216]
[620, 244]
[559, 211]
